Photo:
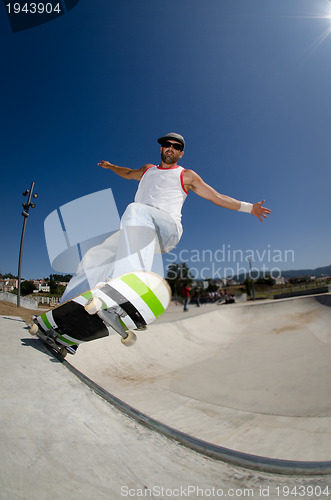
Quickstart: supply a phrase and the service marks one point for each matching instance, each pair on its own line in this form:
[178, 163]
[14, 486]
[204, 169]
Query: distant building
[231, 281]
[41, 286]
[8, 285]
[280, 280]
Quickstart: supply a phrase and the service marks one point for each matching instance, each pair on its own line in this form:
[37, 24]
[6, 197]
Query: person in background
[187, 294]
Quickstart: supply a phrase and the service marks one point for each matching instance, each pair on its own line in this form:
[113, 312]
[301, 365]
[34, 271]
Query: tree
[52, 286]
[267, 281]
[27, 287]
[60, 277]
[53, 281]
[178, 276]
[9, 276]
[212, 287]
[249, 286]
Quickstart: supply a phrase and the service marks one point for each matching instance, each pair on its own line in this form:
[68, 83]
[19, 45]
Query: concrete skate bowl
[241, 383]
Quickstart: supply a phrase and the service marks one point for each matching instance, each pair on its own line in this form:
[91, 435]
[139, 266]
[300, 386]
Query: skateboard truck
[111, 317]
[50, 339]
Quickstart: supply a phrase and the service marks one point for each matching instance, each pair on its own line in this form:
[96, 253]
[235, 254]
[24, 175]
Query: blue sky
[246, 82]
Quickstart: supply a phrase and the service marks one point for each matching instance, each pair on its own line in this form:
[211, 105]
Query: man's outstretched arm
[126, 173]
[192, 181]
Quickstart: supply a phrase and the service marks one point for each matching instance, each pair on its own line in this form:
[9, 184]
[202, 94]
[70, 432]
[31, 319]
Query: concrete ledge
[26, 303]
[300, 293]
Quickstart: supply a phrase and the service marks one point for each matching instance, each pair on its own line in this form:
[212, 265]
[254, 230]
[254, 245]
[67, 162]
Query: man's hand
[259, 211]
[104, 164]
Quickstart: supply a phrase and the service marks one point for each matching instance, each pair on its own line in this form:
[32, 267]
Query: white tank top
[163, 188]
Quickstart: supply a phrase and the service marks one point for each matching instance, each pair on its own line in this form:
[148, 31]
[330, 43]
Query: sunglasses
[175, 145]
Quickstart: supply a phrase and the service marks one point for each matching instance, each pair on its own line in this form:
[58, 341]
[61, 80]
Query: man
[156, 210]
[187, 295]
[152, 224]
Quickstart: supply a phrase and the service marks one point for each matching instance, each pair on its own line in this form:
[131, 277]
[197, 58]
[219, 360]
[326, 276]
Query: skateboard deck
[129, 302]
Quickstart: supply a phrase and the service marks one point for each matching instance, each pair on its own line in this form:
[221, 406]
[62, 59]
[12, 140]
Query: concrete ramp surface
[253, 377]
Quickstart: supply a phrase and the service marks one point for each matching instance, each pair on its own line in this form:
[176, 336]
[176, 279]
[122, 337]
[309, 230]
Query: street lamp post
[25, 213]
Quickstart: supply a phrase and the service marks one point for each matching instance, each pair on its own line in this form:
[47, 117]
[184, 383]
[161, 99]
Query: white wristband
[245, 207]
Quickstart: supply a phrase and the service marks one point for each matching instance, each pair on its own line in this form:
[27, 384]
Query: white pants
[144, 231]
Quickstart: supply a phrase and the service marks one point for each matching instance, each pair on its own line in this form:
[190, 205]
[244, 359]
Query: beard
[169, 159]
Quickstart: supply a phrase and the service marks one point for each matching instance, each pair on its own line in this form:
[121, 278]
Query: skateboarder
[152, 223]
[161, 193]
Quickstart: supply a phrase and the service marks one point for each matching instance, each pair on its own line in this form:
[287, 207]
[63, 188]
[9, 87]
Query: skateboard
[129, 302]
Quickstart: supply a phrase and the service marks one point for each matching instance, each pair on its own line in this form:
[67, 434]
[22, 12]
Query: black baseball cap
[173, 136]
